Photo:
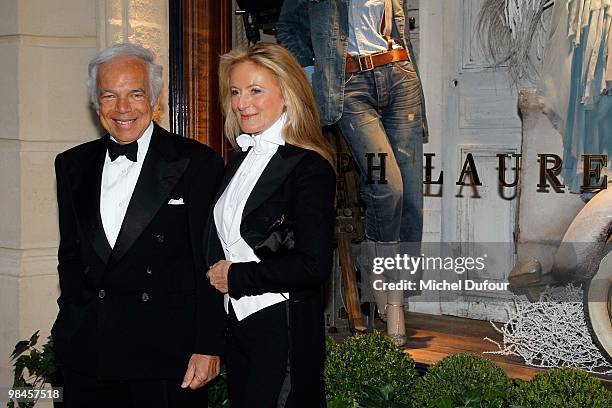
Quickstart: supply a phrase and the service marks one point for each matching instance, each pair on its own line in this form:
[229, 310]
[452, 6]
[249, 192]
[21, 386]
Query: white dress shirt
[119, 178]
[365, 20]
[228, 212]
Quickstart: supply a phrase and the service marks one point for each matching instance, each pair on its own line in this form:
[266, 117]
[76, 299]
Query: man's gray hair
[156, 80]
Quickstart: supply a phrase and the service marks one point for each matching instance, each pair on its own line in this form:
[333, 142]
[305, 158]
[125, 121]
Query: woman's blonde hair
[302, 126]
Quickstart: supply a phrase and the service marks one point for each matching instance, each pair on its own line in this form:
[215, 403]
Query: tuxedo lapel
[87, 198]
[160, 172]
[280, 166]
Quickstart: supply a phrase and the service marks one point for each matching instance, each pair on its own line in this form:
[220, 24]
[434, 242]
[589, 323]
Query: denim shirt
[320, 27]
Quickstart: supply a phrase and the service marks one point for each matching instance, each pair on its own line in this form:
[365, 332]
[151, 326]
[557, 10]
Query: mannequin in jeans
[366, 80]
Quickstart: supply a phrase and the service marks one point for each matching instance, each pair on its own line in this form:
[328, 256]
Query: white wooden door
[481, 119]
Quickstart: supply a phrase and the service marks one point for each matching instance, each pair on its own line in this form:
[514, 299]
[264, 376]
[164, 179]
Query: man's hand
[200, 370]
[217, 274]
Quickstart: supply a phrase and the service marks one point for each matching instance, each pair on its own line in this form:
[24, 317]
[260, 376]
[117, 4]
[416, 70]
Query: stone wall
[143, 22]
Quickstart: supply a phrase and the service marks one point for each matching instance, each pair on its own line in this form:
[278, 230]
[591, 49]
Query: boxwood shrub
[368, 364]
[562, 388]
[465, 380]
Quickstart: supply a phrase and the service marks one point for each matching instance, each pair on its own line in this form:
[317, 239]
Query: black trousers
[82, 391]
[257, 359]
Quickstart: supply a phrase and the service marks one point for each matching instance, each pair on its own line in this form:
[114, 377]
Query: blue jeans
[382, 114]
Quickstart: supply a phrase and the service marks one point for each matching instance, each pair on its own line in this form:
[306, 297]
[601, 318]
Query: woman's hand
[217, 275]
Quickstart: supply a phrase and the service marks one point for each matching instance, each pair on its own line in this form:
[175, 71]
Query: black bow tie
[130, 150]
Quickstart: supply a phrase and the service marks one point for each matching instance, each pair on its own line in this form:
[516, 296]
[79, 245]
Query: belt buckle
[367, 61]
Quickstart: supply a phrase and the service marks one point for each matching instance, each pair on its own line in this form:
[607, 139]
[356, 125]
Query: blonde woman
[270, 236]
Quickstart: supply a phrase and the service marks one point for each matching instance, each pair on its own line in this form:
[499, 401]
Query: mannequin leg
[367, 131]
[403, 125]
[380, 296]
[396, 325]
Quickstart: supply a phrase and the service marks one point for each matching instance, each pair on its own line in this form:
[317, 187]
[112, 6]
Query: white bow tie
[245, 141]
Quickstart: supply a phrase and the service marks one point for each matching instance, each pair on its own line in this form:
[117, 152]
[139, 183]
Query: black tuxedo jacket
[141, 309]
[293, 196]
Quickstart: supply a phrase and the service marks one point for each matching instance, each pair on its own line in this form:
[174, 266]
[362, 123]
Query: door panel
[482, 120]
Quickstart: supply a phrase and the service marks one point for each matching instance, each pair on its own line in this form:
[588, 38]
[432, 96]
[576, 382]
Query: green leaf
[441, 402]
[34, 339]
[341, 402]
[20, 347]
[34, 369]
[217, 391]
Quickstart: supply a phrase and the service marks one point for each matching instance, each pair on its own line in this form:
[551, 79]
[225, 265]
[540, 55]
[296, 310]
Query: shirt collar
[274, 134]
[269, 139]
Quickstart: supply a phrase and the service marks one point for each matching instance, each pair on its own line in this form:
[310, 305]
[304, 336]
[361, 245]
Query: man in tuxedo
[139, 325]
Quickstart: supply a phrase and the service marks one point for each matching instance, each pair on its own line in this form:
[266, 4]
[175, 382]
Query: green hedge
[367, 368]
[562, 388]
[369, 371]
[462, 380]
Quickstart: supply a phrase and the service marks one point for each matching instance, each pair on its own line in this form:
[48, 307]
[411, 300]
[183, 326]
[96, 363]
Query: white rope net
[551, 332]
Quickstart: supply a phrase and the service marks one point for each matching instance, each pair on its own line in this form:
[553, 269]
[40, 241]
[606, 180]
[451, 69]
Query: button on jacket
[140, 309]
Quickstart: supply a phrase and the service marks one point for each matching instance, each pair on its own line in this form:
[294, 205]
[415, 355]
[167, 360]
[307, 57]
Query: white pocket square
[176, 202]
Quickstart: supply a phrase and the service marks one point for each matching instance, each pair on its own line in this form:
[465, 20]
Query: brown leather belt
[360, 63]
